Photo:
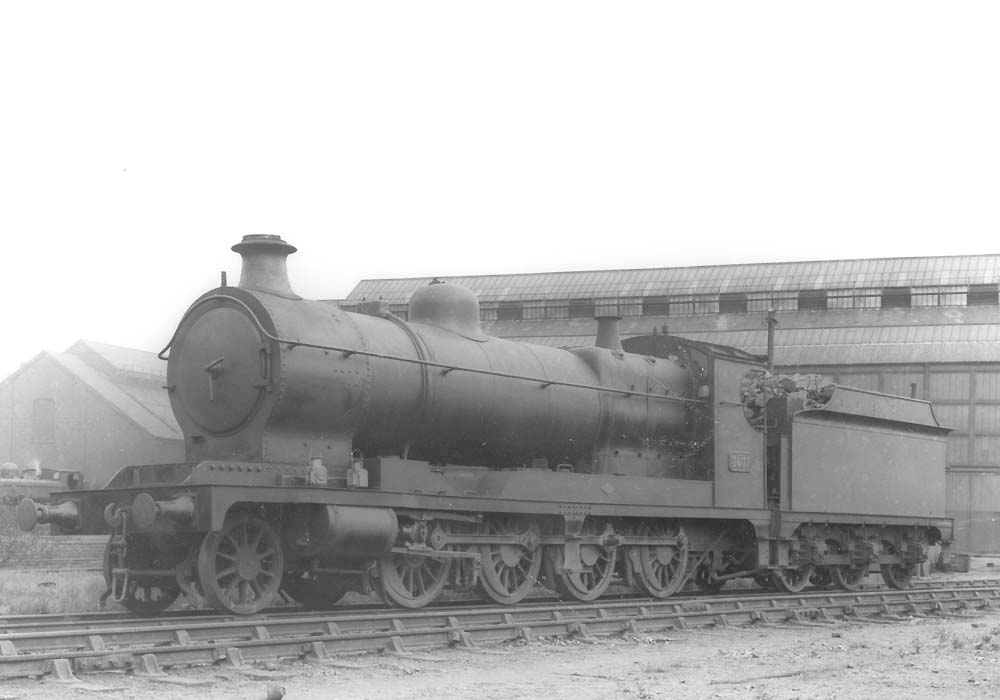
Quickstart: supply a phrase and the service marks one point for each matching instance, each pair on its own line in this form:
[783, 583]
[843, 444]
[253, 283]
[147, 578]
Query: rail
[147, 646]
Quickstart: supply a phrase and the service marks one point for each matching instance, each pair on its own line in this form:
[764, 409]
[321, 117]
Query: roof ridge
[681, 267]
[101, 383]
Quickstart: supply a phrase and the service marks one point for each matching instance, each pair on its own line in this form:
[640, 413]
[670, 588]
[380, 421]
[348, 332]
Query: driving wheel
[662, 566]
[792, 580]
[410, 580]
[510, 571]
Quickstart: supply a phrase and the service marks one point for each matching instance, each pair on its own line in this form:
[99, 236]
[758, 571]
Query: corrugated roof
[790, 276]
[143, 408]
[841, 346]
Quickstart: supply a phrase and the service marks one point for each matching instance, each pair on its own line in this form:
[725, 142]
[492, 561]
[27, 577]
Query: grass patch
[16, 545]
[40, 592]
[28, 592]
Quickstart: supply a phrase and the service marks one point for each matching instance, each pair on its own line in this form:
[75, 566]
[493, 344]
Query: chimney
[265, 267]
[607, 333]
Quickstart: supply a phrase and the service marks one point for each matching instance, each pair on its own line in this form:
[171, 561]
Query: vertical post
[771, 323]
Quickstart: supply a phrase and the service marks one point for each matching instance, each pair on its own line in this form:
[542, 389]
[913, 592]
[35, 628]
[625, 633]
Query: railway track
[61, 645]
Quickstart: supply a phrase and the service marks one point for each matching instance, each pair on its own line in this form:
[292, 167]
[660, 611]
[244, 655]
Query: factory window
[656, 306]
[812, 300]
[630, 306]
[706, 303]
[732, 303]
[896, 298]
[954, 296]
[926, 296]
[43, 421]
[510, 311]
[867, 298]
[533, 309]
[581, 308]
[681, 305]
[839, 299]
[556, 309]
[983, 295]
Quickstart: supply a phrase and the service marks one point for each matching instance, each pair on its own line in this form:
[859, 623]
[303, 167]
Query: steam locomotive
[332, 450]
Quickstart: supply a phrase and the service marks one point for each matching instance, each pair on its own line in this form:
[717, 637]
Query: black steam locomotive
[332, 450]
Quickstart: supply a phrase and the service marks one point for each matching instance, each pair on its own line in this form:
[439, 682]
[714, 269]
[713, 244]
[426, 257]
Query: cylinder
[335, 533]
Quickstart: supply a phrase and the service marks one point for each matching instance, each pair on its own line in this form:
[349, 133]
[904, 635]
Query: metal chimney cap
[263, 241]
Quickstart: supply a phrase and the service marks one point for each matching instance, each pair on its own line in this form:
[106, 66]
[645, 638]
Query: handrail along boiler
[332, 450]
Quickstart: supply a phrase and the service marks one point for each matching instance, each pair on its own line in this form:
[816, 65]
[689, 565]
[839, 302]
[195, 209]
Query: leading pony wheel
[240, 566]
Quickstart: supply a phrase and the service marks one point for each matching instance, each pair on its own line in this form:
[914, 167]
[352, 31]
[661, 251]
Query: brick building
[94, 408]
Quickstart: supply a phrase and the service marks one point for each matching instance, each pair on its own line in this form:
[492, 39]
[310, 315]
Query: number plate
[739, 462]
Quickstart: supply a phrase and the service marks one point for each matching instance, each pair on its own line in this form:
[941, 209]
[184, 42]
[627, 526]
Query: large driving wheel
[509, 571]
[590, 583]
[661, 566]
[240, 566]
[315, 592]
[412, 581]
[792, 580]
[850, 578]
[144, 595]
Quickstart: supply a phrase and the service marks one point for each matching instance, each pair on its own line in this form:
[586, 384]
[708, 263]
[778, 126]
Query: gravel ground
[919, 657]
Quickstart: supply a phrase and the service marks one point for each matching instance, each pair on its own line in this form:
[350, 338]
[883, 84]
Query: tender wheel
[240, 566]
[896, 575]
[144, 596]
[661, 567]
[509, 571]
[849, 578]
[592, 581]
[412, 581]
[315, 592]
[792, 580]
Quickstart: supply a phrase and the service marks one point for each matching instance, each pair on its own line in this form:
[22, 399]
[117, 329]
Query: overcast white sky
[138, 142]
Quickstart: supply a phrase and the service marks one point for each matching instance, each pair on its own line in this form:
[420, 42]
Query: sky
[139, 141]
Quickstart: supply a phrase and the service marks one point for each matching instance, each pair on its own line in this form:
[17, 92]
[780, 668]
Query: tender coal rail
[148, 645]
